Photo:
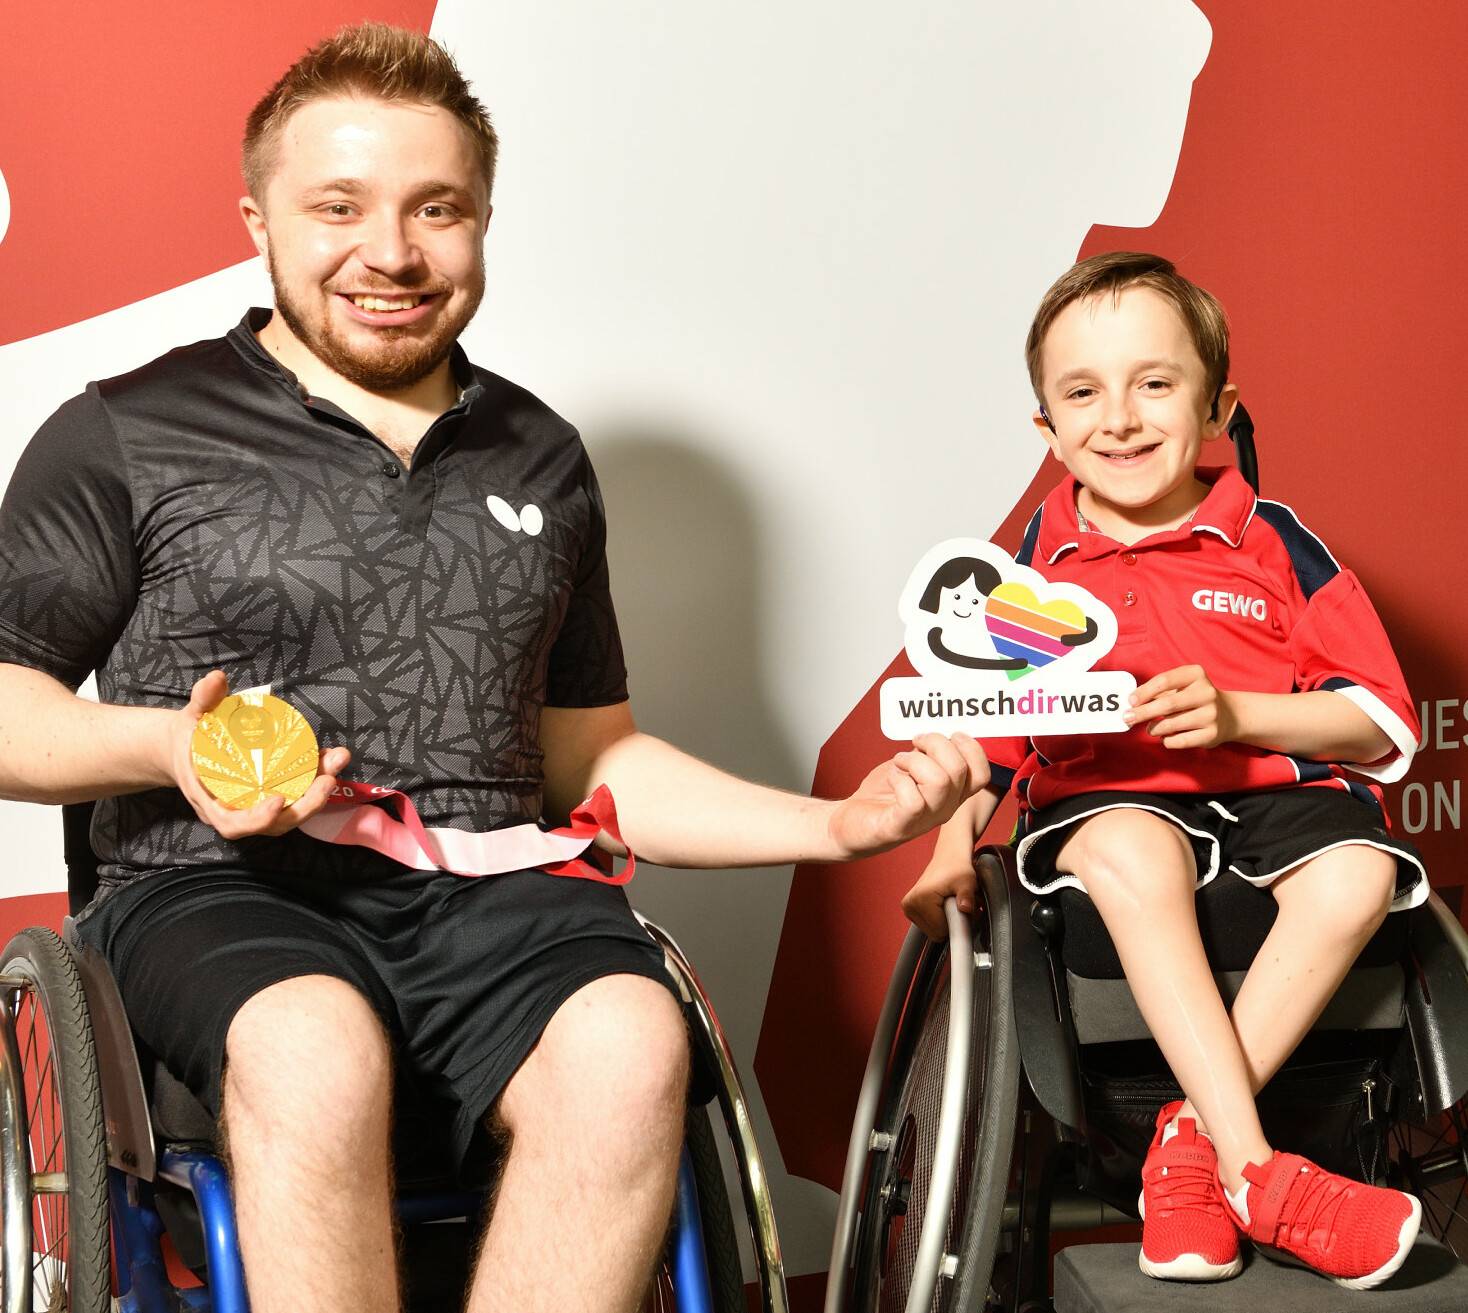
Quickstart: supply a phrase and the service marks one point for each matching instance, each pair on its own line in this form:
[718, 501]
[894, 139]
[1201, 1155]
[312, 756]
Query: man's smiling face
[373, 227]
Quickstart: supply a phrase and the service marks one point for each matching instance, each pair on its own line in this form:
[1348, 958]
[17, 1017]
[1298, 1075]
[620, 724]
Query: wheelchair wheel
[721, 1248]
[905, 1156]
[1430, 1159]
[67, 1169]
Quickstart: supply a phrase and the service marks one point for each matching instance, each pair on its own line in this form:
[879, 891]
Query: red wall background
[111, 119]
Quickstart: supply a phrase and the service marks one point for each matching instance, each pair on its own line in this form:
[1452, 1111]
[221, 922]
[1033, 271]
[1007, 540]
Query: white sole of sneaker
[1186, 1267]
[1406, 1237]
[1189, 1267]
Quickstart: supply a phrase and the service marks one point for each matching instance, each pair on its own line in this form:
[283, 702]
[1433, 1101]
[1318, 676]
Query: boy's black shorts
[464, 973]
[1256, 836]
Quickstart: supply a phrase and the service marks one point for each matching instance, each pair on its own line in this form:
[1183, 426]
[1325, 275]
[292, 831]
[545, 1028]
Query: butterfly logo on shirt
[528, 519]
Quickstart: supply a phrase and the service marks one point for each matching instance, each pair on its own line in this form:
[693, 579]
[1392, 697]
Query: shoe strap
[1270, 1186]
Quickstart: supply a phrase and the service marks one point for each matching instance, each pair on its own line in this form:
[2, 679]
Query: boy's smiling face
[1126, 391]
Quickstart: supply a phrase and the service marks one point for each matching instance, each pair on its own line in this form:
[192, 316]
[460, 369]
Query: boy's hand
[1185, 709]
[943, 878]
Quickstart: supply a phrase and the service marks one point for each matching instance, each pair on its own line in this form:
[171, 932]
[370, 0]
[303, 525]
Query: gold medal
[253, 744]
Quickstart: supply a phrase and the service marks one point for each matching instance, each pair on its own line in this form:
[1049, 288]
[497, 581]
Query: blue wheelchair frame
[135, 1162]
[142, 1281]
[144, 1286]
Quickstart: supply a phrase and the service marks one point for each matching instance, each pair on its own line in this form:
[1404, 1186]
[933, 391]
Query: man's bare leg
[1328, 908]
[1139, 871]
[307, 1100]
[595, 1116]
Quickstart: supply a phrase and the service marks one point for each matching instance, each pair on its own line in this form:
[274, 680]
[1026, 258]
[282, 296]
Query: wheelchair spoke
[661, 1297]
[42, 1230]
[1432, 1162]
[49, 1287]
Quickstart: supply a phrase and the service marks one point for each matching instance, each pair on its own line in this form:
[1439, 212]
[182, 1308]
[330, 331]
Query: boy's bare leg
[595, 1116]
[1328, 908]
[307, 1100]
[1139, 871]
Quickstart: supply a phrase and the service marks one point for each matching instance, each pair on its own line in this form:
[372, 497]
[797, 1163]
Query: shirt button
[1129, 598]
[1129, 558]
[391, 468]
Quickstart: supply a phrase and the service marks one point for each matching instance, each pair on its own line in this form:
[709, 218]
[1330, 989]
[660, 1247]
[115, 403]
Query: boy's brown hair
[372, 60]
[1110, 275]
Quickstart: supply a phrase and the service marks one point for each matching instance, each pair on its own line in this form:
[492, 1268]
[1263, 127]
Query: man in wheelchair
[1269, 687]
[333, 503]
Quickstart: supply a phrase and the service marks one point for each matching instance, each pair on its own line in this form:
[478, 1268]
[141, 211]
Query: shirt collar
[1225, 512]
[243, 336]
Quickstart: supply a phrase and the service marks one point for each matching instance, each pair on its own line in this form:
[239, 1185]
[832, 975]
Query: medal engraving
[254, 744]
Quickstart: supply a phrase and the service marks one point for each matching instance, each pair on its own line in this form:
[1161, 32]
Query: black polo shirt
[204, 512]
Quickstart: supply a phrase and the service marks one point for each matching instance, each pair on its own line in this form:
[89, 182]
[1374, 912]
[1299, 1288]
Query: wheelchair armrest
[1047, 1041]
[124, 1100]
[1437, 1003]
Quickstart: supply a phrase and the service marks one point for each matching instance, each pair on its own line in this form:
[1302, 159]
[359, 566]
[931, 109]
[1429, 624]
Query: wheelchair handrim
[895, 1189]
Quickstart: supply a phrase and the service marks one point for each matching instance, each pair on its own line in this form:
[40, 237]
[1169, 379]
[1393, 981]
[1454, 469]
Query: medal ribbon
[397, 831]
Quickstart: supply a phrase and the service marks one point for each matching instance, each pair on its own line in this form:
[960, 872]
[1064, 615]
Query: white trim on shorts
[1070, 881]
[1413, 896]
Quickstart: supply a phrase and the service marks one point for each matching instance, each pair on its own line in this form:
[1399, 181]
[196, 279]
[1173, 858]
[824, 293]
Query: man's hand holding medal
[249, 764]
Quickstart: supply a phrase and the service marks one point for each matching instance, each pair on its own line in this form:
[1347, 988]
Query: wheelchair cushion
[1233, 916]
[178, 1117]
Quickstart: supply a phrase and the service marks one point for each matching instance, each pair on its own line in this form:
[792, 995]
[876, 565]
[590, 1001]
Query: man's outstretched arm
[56, 747]
[676, 810]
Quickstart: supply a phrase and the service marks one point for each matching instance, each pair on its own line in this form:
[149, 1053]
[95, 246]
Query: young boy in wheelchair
[1269, 706]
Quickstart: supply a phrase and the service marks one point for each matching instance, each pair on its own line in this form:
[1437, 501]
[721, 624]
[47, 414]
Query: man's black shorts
[464, 973]
[1255, 836]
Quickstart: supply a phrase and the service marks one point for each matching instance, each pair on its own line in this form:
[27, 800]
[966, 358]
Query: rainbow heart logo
[1021, 625]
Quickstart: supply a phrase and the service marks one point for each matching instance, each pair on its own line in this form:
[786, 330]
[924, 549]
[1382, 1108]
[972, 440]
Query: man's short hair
[1110, 275]
[371, 60]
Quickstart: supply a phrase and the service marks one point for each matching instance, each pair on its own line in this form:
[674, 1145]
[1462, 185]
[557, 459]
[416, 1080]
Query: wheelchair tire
[68, 1148]
[720, 1245]
[720, 1241]
[894, 1196]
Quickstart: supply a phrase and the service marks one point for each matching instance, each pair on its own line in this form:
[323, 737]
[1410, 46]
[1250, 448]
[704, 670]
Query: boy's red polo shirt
[1243, 590]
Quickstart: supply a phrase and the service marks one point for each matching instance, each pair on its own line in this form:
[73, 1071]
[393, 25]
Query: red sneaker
[1186, 1236]
[1356, 1234]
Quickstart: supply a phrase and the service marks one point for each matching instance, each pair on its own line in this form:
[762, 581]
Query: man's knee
[612, 1062]
[1129, 853]
[308, 1053]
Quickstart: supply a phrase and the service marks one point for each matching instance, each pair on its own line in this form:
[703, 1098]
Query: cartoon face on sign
[968, 606]
[977, 624]
[957, 596]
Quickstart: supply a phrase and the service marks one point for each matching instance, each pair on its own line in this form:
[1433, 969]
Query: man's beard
[404, 356]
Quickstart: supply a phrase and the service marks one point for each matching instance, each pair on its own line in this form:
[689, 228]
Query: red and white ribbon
[353, 815]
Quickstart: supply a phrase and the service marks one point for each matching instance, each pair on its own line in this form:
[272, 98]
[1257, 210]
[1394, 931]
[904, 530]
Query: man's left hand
[910, 794]
[1184, 709]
